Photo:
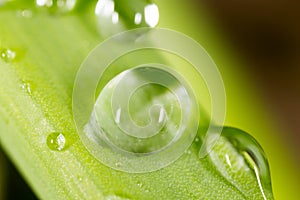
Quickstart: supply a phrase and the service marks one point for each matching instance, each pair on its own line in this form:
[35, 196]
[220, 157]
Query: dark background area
[267, 35]
[16, 187]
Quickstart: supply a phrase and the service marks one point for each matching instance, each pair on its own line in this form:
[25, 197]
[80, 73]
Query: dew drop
[140, 184]
[115, 16]
[241, 161]
[56, 141]
[188, 152]
[27, 86]
[118, 164]
[7, 55]
[57, 6]
[79, 178]
[143, 114]
[24, 14]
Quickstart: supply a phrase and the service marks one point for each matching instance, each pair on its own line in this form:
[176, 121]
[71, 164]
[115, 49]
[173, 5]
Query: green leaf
[36, 91]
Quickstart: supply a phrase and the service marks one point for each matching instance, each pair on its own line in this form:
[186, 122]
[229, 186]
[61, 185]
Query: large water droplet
[56, 141]
[242, 162]
[144, 118]
[57, 6]
[115, 16]
[7, 55]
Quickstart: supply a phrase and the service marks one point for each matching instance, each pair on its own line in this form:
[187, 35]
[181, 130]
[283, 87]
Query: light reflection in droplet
[118, 115]
[161, 115]
[237, 156]
[47, 3]
[151, 15]
[56, 141]
[26, 86]
[105, 8]
[138, 18]
[114, 17]
[228, 160]
[256, 171]
[57, 6]
[7, 55]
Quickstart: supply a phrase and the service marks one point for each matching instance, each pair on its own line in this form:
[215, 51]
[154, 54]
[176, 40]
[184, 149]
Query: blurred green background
[256, 45]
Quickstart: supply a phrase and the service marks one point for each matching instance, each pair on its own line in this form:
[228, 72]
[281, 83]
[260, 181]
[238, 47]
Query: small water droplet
[24, 14]
[27, 86]
[7, 55]
[79, 179]
[115, 16]
[118, 164]
[56, 141]
[187, 152]
[57, 6]
[197, 139]
[140, 184]
[238, 157]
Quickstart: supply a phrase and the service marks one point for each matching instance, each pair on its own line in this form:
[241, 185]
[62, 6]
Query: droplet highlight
[140, 184]
[241, 161]
[56, 141]
[27, 86]
[79, 178]
[188, 152]
[115, 16]
[7, 55]
[57, 6]
[118, 164]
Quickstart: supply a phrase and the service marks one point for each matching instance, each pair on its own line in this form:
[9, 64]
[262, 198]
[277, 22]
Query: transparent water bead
[28, 86]
[238, 157]
[25, 13]
[57, 6]
[56, 141]
[141, 114]
[7, 55]
[146, 116]
[115, 16]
